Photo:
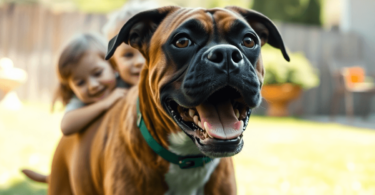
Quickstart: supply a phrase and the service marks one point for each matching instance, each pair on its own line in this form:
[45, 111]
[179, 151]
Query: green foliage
[87, 6]
[25, 187]
[295, 11]
[298, 71]
[223, 3]
[98, 6]
[312, 13]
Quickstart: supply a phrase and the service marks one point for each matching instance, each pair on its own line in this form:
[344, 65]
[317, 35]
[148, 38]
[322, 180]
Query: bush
[298, 71]
[294, 11]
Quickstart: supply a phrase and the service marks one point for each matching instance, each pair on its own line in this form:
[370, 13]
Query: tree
[295, 11]
[312, 13]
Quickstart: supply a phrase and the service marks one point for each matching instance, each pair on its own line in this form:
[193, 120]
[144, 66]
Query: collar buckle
[186, 163]
[193, 161]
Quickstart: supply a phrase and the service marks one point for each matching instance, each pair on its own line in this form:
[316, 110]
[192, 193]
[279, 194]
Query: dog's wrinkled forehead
[201, 22]
[196, 19]
[226, 20]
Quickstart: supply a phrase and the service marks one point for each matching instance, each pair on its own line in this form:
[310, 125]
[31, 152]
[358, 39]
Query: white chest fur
[187, 181]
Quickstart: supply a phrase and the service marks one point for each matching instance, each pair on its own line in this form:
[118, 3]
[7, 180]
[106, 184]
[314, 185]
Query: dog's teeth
[205, 126]
[244, 113]
[191, 113]
[237, 113]
[200, 124]
[195, 118]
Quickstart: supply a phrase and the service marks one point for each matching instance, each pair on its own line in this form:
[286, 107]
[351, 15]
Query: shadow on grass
[25, 187]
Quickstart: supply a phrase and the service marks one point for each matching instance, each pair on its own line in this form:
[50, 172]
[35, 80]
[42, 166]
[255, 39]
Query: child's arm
[75, 120]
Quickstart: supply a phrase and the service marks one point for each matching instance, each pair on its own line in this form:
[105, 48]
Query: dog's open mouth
[221, 117]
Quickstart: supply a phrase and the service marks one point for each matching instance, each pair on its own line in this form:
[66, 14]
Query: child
[128, 61]
[82, 108]
[87, 82]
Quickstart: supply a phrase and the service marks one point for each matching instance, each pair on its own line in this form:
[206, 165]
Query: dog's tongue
[219, 120]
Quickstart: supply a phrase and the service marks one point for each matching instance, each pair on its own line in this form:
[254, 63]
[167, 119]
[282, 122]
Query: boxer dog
[202, 77]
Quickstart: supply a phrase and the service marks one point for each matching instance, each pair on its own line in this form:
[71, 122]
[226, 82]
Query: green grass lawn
[280, 156]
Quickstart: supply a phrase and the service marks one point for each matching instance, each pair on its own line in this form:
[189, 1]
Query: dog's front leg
[222, 180]
[133, 182]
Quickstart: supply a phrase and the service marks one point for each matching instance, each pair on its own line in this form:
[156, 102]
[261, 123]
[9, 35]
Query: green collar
[184, 162]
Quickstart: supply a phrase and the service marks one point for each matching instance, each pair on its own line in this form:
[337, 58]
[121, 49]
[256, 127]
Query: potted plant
[284, 81]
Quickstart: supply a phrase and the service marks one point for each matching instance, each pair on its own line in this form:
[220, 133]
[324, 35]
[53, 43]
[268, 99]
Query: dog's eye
[248, 42]
[182, 42]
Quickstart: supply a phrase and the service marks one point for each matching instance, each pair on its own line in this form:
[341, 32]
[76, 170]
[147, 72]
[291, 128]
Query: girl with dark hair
[89, 85]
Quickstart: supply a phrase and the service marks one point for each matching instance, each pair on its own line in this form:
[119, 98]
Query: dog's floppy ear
[139, 29]
[264, 27]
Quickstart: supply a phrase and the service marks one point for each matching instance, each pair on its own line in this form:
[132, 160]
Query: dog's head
[204, 68]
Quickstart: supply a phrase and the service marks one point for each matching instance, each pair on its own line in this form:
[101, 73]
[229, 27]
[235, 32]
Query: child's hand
[115, 95]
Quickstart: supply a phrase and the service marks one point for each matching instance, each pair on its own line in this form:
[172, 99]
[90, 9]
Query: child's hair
[118, 18]
[71, 54]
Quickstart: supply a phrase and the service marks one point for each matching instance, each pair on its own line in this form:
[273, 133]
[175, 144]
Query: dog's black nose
[227, 57]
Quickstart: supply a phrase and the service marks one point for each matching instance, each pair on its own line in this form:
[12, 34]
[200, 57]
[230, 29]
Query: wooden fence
[32, 35]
